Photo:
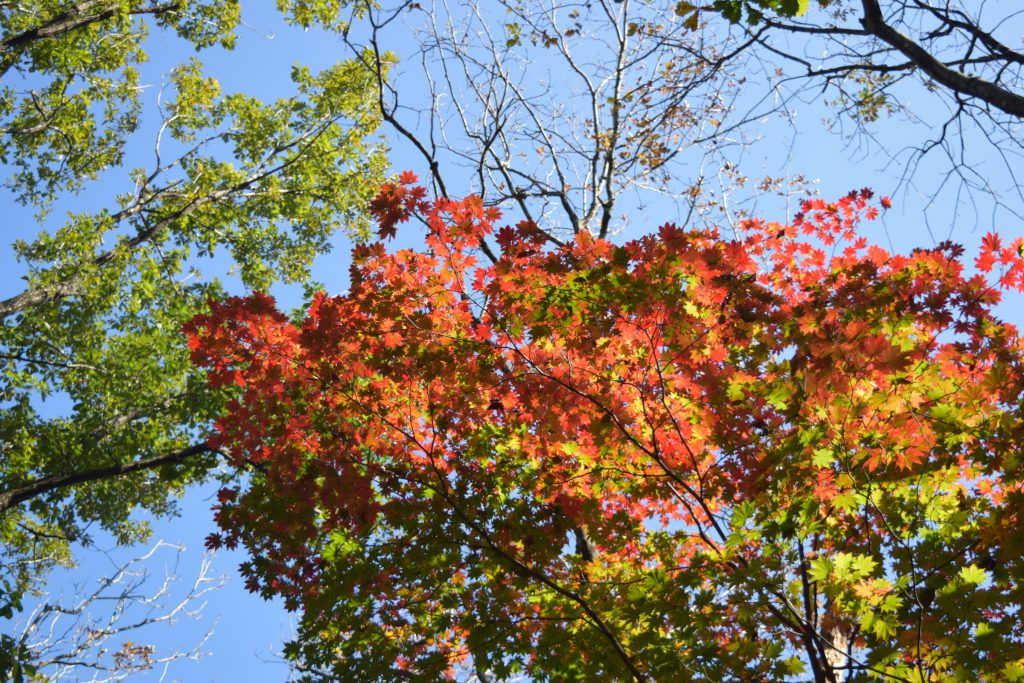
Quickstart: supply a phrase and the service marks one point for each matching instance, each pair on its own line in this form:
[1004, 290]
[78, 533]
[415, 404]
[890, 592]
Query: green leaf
[863, 566]
[794, 666]
[820, 569]
[1014, 671]
[793, 8]
[973, 575]
[823, 457]
[779, 395]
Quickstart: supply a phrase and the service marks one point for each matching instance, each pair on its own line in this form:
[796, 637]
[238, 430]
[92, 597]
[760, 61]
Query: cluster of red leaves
[396, 203]
[1010, 260]
[714, 413]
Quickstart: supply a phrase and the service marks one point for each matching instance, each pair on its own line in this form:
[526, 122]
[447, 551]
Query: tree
[102, 414]
[71, 86]
[94, 630]
[784, 456]
[582, 114]
[953, 69]
[575, 113]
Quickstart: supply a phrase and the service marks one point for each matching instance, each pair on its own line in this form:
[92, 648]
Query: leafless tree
[574, 113]
[97, 633]
[947, 77]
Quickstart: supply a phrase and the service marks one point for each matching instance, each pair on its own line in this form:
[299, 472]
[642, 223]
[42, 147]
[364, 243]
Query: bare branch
[612, 108]
[98, 632]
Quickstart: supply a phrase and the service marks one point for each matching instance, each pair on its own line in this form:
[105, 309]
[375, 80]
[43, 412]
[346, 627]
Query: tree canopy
[785, 455]
[740, 452]
[101, 412]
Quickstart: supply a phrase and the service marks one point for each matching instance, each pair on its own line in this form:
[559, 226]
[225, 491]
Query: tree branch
[75, 17]
[986, 91]
[19, 494]
[71, 286]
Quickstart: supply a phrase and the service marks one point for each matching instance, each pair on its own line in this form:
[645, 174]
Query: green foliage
[70, 95]
[752, 11]
[15, 660]
[94, 372]
[327, 13]
[868, 98]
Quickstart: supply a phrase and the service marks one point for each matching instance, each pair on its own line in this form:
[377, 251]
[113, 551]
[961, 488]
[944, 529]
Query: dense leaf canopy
[780, 455]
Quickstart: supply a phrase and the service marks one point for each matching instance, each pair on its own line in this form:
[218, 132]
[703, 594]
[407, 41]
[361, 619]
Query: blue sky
[249, 631]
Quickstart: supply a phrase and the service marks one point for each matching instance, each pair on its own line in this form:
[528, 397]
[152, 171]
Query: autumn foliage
[795, 456]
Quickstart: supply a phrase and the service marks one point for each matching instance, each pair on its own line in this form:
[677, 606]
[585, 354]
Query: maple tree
[780, 456]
